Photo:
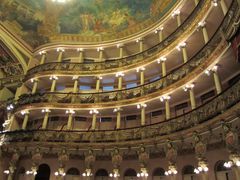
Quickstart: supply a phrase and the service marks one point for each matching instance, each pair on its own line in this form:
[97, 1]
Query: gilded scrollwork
[201, 114]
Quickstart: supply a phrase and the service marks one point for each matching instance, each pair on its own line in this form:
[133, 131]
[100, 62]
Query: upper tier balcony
[129, 62]
[208, 114]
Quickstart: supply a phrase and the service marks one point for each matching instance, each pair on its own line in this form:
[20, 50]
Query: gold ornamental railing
[214, 47]
[204, 113]
[216, 44]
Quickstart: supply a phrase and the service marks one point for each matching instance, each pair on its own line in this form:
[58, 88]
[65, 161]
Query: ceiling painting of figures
[42, 21]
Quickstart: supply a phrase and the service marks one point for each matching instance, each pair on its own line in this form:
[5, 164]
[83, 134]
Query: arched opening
[221, 172]
[130, 174]
[188, 173]
[158, 174]
[73, 171]
[72, 174]
[101, 174]
[43, 172]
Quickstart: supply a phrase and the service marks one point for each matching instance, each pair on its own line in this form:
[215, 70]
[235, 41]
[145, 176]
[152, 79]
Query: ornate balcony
[209, 114]
[196, 65]
[147, 56]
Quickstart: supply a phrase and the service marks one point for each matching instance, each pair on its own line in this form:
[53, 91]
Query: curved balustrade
[11, 81]
[216, 44]
[213, 48]
[206, 112]
[85, 68]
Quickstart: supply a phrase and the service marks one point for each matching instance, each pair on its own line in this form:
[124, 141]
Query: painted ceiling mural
[42, 21]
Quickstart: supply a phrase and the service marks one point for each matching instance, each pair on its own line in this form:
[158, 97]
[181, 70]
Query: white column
[118, 111]
[166, 99]
[25, 120]
[177, 15]
[54, 81]
[80, 56]
[141, 70]
[192, 99]
[100, 50]
[224, 6]
[167, 107]
[202, 25]
[43, 57]
[159, 31]
[162, 60]
[98, 82]
[70, 119]
[120, 75]
[120, 47]
[75, 86]
[142, 77]
[94, 112]
[118, 120]
[45, 119]
[216, 78]
[143, 116]
[94, 121]
[120, 83]
[60, 54]
[217, 82]
[182, 47]
[35, 84]
[189, 88]
[140, 41]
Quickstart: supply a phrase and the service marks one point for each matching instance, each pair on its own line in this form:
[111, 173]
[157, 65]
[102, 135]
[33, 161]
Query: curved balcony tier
[130, 62]
[176, 79]
[222, 107]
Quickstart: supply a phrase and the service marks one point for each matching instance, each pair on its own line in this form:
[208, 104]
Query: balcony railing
[85, 68]
[215, 46]
[204, 113]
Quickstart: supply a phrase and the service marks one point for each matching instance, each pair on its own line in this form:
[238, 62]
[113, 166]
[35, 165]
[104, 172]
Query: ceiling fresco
[43, 21]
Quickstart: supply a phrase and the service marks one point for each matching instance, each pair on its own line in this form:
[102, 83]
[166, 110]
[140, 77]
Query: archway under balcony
[188, 173]
[130, 174]
[221, 172]
[101, 174]
[43, 172]
[158, 173]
